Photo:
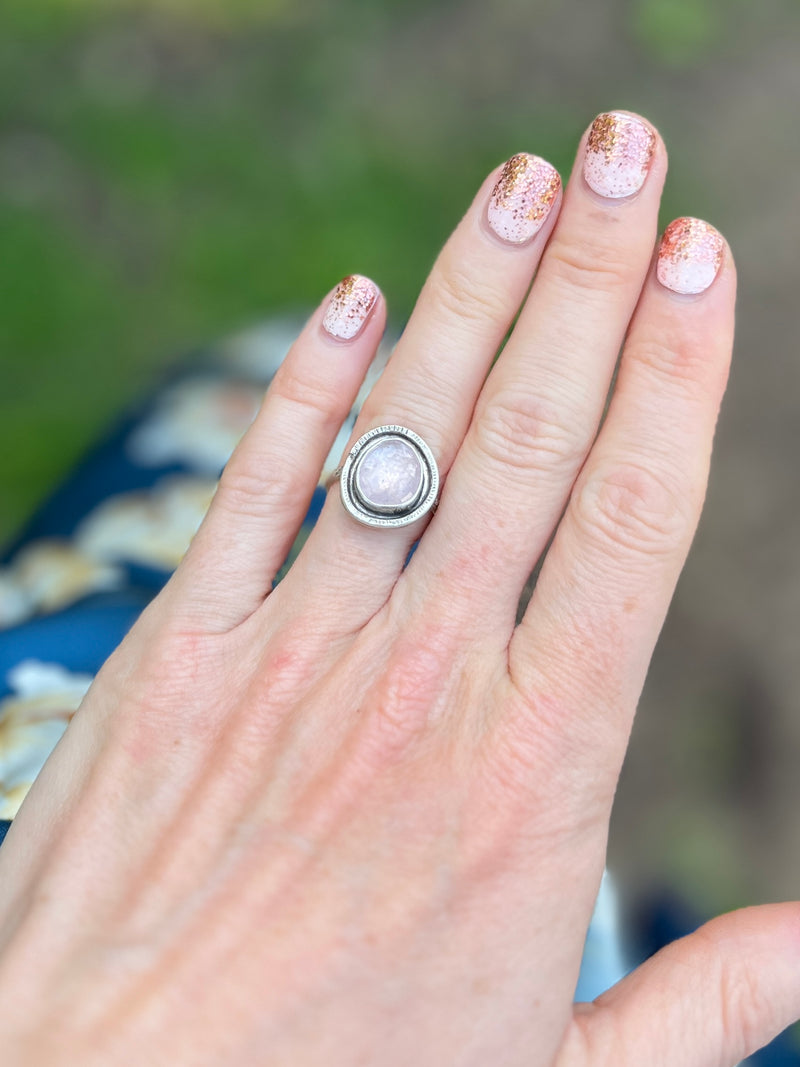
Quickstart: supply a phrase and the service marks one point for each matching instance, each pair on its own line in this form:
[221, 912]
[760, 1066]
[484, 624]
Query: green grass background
[173, 169]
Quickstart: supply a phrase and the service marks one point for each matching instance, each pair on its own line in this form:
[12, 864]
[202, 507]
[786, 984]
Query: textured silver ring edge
[430, 497]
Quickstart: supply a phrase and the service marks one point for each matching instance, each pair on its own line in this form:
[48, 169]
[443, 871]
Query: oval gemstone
[389, 476]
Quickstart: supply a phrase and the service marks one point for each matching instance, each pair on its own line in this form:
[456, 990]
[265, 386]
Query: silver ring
[389, 478]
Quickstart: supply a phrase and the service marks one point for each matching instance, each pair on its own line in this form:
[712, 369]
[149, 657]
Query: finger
[539, 412]
[431, 382]
[708, 1000]
[266, 488]
[584, 644]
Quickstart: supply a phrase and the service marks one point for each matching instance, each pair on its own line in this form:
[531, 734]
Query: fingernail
[618, 155]
[689, 256]
[522, 198]
[352, 301]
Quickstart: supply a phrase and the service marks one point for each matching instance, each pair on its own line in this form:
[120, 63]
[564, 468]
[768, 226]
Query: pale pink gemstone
[390, 475]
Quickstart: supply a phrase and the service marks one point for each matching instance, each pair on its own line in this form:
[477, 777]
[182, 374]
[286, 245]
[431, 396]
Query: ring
[389, 477]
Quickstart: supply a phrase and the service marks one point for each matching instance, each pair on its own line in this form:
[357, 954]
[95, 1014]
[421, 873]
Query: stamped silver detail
[390, 477]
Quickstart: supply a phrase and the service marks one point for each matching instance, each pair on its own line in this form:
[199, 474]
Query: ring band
[389, 478]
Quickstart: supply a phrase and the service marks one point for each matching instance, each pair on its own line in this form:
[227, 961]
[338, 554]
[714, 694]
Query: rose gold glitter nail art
[689, 256]
[618, 155]
[350, 306]
[521, 201]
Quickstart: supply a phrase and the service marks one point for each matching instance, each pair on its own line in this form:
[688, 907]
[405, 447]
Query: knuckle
[537, 753]
[592, 265]
[633, 508]
[309, 397]
[521, 432]
[250, 489]
[284, 673]
[411, 690]
[159, 700]
[677, 360]
[744, 1009]
[659, 356]
[462, 298]
[554, 729]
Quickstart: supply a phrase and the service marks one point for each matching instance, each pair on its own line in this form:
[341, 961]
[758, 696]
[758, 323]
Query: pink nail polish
[689, 256]
[354, 298]
[522, 198]
[618, 155]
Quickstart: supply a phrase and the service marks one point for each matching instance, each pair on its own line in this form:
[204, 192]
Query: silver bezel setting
[368, 514]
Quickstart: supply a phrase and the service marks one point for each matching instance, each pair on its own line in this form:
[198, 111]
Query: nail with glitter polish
[689, 256]
[522, 198]
[353, 299]
[618, 155]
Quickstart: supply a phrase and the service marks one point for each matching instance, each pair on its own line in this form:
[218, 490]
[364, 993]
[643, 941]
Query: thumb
[708, 1000]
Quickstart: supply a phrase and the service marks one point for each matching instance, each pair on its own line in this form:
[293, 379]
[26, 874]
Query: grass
[161, 188]
[173, 169]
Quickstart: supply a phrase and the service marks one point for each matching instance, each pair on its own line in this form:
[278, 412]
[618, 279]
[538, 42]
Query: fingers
[708, 1000]
[608, 577]
[539, 412]
[435, 374]
[266, 488]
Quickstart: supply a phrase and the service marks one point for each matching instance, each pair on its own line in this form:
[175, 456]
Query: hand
[362, 818]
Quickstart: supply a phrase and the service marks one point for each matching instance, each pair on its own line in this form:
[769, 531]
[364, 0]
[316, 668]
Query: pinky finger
[709, 1000]
[267, 485]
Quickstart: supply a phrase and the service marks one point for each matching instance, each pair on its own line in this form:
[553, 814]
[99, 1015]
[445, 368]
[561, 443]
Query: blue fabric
[79, 639]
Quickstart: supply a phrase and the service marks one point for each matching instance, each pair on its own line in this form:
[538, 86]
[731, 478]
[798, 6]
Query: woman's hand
[362, 819]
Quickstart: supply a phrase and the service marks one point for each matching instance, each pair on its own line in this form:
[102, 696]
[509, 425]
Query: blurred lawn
[172, 169]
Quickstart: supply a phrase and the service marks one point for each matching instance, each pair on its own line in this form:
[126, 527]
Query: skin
[362, 819]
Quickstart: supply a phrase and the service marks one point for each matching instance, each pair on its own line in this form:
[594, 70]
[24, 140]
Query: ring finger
[434, 376]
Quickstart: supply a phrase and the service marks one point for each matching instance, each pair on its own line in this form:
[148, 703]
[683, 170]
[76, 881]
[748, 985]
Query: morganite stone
[389, 475]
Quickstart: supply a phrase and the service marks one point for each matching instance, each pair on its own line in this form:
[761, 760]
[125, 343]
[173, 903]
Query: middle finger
[539, 412]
